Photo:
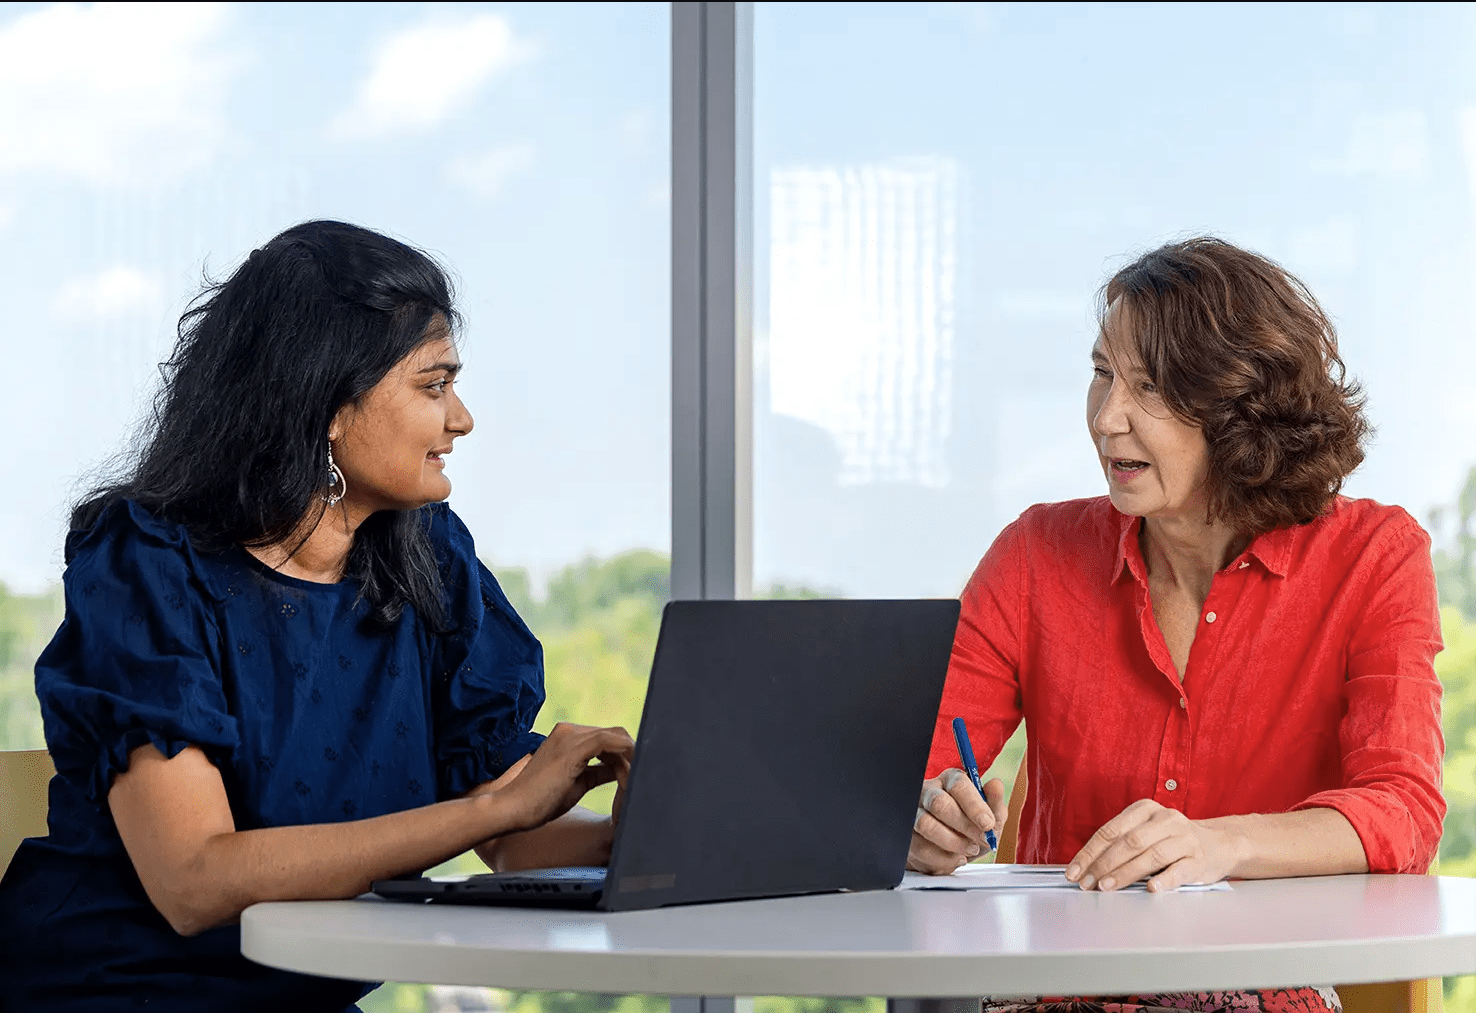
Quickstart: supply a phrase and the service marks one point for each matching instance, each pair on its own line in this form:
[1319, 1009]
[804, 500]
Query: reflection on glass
[864, 268]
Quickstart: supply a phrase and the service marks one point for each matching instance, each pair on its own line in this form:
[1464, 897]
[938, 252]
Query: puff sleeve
[488, 671]
[136, 658]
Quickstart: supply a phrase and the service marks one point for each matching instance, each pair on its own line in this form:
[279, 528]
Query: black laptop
[780, 752]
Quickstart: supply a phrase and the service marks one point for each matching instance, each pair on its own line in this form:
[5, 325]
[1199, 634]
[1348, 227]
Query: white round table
[1315, 931]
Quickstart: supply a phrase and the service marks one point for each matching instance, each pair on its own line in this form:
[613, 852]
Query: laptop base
[569, 888]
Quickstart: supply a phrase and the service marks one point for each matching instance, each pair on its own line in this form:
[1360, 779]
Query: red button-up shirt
[1310, 683]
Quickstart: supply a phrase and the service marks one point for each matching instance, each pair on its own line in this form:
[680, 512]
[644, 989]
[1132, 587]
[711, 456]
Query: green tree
[27, 623]
[1455, 561]
[1454, 529]
[1457, 668]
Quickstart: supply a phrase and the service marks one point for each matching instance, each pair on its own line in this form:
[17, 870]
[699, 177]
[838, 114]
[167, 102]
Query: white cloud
[422, 74]
[115, 292]
[487, 174]
[7, 214]
[112, 92]
[1386, 146]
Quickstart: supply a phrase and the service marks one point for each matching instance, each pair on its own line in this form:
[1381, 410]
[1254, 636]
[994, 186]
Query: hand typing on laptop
[543, 789]
[572, 761]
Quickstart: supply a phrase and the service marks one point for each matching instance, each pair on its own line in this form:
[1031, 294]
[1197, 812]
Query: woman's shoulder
[1367, 522]
[1094, 510]
[456, 556]
[130, 541]
[124, 521]
[1052, 536]
[1074, 523]
[470, 587]
[449, 536]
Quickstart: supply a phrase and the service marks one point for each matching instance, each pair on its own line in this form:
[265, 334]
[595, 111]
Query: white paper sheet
[1020, 877]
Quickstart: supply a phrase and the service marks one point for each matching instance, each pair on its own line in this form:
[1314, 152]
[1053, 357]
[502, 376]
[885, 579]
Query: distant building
[863, 269]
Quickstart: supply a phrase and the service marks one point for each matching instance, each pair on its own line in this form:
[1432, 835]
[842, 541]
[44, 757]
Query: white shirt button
[1171, 784]
[1209, 617]
[1183, 702]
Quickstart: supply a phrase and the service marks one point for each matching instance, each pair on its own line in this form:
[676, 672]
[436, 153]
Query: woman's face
[391, 445]
[1155, 464]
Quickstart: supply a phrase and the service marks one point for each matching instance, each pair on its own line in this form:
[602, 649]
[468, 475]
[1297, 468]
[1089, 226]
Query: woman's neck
[317, 550]
[1187, 552]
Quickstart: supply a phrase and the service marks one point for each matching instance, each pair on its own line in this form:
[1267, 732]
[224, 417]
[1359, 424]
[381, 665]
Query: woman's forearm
[331, 860]
[579, 837]
[1309, 842]
[200, 871]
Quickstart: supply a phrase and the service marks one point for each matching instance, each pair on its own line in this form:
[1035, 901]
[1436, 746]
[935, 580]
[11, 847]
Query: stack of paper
[1019, 877]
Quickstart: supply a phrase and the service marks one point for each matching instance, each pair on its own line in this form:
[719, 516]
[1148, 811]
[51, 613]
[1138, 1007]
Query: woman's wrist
[579, 837]
[605, 840]
[502, 811]
[1305, 842]
[1237, 842]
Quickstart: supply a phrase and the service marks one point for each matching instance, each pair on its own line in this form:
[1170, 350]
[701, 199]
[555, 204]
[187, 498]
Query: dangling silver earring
[337, 484]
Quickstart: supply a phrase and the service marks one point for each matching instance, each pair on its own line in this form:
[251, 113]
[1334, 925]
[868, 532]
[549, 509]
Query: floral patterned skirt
[1276, 1000]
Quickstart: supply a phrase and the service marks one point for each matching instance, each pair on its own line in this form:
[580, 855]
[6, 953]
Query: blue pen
[971, 767]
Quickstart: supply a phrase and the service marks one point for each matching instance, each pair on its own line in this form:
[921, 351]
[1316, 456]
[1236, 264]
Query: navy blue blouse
[311, 714]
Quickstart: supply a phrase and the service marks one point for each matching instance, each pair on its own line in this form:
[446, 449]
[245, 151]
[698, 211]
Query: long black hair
[236, 446]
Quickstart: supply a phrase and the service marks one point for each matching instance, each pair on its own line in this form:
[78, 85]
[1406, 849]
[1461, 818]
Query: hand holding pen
[971, 768]
[956, 818]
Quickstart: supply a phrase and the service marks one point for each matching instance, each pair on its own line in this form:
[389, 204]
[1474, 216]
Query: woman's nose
[1112, 415]
[459, 420]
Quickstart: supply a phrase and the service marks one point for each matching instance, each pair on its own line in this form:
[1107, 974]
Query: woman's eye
[440, 385]
[1101, 373]
[1149, 387]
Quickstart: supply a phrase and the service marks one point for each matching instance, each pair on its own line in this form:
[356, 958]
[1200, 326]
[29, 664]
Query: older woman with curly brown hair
[1226, 669]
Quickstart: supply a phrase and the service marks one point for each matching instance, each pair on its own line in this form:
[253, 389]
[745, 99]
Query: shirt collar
[1129, 555]
[1272, 549]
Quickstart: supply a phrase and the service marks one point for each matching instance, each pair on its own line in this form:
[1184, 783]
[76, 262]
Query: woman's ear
[340, 423]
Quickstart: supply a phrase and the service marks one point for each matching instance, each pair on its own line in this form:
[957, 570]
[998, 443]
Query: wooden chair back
[1421, 996]
[24, 775]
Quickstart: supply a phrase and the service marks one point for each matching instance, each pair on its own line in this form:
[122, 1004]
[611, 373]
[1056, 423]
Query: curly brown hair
[1240, 348]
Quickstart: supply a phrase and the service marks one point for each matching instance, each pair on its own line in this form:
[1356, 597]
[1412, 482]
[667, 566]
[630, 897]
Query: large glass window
[941, 188]
[526, 145]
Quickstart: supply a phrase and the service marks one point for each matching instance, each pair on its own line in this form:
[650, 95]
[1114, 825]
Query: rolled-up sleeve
[1390, 735]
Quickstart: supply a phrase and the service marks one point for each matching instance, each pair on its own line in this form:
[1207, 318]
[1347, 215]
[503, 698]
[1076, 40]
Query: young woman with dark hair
[1225, 668]
[283, 672]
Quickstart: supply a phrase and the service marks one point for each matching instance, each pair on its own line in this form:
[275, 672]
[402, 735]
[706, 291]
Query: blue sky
[526, 144]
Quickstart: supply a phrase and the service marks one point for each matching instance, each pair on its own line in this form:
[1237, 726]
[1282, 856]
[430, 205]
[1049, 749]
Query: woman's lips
[1125, 470]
